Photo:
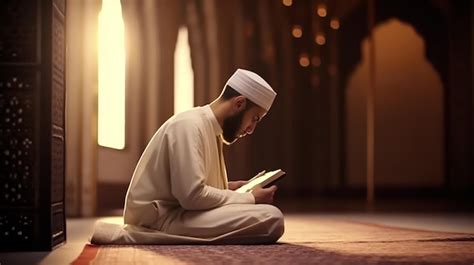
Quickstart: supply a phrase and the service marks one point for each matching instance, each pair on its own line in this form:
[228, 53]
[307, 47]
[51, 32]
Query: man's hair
[229, 93]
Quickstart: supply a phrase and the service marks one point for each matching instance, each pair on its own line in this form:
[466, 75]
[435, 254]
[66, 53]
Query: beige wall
[409, 113]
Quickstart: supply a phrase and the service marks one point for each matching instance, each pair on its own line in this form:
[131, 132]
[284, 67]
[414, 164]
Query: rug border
[87, 255]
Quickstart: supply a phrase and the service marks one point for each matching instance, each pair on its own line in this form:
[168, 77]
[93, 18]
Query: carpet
[307, 240]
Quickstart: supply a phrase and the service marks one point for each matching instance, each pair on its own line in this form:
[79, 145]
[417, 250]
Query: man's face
[241, 124]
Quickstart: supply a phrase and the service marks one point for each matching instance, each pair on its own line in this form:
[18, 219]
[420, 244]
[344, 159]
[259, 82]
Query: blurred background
[374, 109]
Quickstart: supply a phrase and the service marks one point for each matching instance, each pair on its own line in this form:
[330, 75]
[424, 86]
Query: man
[179, 192]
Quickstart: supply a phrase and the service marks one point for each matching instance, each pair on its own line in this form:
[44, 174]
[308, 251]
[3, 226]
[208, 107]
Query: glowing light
[335, 23]
[322, 12]
[316, 61]
[183, 74]
[297, 31]
[287, 2]
[304, 60]
[111, 105]
[320, 39]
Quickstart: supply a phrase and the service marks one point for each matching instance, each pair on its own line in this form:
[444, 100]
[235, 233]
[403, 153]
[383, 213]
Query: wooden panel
[32, 57]
[19, 31]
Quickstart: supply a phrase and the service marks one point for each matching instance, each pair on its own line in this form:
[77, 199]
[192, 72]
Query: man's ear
[239, 103]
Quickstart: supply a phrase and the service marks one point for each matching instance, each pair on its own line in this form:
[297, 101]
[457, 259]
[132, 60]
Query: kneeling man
[180, 188]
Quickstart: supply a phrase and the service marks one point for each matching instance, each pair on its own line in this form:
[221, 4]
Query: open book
[263, 179]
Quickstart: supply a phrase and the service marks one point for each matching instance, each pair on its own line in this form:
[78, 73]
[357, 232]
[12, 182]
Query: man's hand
[264, 195]
[233, 185]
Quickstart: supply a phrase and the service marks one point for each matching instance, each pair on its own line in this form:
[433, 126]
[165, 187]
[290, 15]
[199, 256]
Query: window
[111, 103]
[183, 74]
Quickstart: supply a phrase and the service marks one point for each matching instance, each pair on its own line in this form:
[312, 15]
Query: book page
[263, 180]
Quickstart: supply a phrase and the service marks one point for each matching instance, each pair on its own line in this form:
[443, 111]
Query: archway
[409, 119]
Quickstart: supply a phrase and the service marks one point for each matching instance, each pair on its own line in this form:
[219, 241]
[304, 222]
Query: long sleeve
[187, 158]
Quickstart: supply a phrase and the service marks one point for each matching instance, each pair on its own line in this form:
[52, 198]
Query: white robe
[179, 192]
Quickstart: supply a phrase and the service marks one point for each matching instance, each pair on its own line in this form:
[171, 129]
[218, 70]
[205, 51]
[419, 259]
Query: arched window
[183, 74]
[111, 98]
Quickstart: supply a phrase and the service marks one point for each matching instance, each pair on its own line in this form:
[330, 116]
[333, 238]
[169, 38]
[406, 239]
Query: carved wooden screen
[32, 94]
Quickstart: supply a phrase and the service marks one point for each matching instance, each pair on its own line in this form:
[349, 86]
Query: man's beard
[231, 126]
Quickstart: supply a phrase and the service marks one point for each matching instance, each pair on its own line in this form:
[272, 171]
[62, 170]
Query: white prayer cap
[253, 87]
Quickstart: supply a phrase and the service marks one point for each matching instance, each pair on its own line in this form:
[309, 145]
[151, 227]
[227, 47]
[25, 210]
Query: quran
[264, 179]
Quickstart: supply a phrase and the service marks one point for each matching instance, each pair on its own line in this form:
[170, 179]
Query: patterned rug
[307, 240]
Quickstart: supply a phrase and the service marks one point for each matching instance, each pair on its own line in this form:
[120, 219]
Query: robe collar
[212, 118]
